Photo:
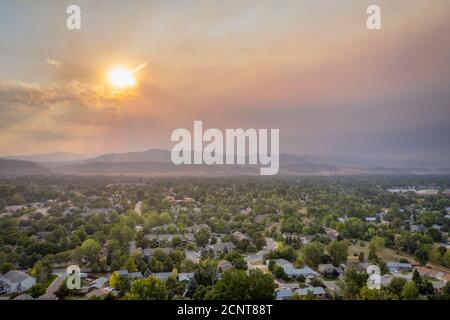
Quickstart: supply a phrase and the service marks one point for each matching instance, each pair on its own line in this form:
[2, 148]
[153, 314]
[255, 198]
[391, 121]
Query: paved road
[271, 245]
[137, 208]
[53, 287]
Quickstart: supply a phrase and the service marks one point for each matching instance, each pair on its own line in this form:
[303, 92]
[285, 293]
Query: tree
[123, 234]
[206, 272]
[5, 267]
[37, 290]
[410, 291]
[174, 287]
[278, 271]
[234, 285]
[202, 237]
[262, 286]
[121, 284]
[446, 259]
[151, 288]
[352, 282]
[353, 227]
[239, 263]
[437, 254]
[89, 250]
[42, 270]
[131, 265]
[396, 286]
[201, 291]
[114, 279]
[373, 294]
[375, 244]
[361, 257]
[338, 251]
[422, 255]
[312, 254]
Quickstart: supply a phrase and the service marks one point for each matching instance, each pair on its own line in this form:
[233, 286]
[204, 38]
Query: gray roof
[185, 276]
[314, 290]
[305, 271]
[122, 272]
[135, 275]
[280, 262]
[24, 297]
[398, 265]
[222, 245]
[16, 276]
[162, 275]
[284, 294]
[98, 283]
[151, 251]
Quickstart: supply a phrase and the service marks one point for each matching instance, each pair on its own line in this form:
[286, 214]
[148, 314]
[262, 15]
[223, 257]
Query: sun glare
[121, 78]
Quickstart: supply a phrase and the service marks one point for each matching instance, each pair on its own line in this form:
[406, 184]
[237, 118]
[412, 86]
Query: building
[293, 272]
[330, 270]
[162, 275]
[318, 292]
[239, 236]
[185, 276]
[160, 239]
[417, 228]
[431, 273]
[332, 234]
[98, 283]
[150, 252]
[284, 294]
[224, 265]
[396, 267]
[15, 281]
[192, 256]
[222, 247]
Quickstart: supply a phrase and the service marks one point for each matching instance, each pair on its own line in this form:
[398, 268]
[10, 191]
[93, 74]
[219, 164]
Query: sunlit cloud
[54, 63]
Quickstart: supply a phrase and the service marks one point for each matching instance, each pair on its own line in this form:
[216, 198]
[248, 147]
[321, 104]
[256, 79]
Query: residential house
[160, 239]
[193, 256]
[197, 228]
[162, 275]
[222, 247]
[150, 252]
[284, 294]
[98, 283]
[431, 273]
[239, 236]
[330, 270]
[14, 209]
[129, 275]
[15, 281]
[332, 234]
[224, 266]
[417, 228]
[396, 267]
[293, 272]
[318, 292]
[135, 275]
[185, 276]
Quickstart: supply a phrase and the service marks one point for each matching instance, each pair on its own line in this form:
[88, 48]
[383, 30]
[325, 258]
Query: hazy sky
[309, 68]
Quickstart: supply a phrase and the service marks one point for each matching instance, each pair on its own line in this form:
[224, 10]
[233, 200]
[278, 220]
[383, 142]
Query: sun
[122, 78]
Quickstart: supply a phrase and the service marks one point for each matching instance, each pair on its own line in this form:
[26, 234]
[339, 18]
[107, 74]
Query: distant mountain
[146, 168]
[51, 157]
[19, 168]
[158, 162]
[152, 155]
